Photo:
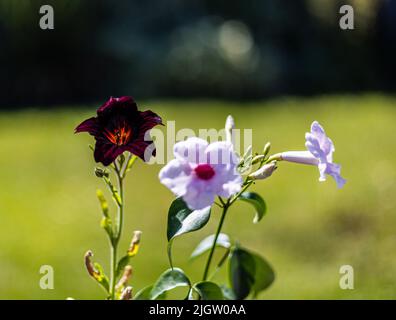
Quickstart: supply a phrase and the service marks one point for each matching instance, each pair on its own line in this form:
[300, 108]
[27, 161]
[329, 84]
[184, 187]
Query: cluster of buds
[265, 165]
[122, 290]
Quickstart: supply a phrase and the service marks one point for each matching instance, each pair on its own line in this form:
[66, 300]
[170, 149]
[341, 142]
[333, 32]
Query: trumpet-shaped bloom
[202, 171]
[119, 127]
[320, 153]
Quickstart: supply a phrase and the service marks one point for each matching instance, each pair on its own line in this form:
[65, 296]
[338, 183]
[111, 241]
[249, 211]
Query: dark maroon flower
[119, 127]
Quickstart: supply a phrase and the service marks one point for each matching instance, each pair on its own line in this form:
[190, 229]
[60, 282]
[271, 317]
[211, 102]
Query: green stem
[120, 217]
[113, 262]
[117, 235]
[225, 207]
[212, 250]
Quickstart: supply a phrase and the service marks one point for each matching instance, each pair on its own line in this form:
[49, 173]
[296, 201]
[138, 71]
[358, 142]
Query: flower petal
[304, 157]
[139, 144]
[122, 102]
[106, 152]
[221, 153]
[313, 145]
[143, 149]
[231, 187]
[191, 150]
[199, 195]
[326, 145]
[227, 180]
[149, 120]
[176, 176]
[333, 170]
[90, 125]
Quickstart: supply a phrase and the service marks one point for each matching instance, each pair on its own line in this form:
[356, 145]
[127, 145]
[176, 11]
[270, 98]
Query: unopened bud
[100, 173]
[267, 148]
[134, 246]
[258, 158]
[264, 172]
[89, 265]
[125, 278]
[229, 127]
[126, 294]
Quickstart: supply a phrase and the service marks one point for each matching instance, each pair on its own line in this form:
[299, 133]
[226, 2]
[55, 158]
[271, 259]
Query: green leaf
[264, 275]
[122, 264]
[182, 220]
[258, 203]
[249, 273]
[227, 293]
[143, 294]
[169, 280]
[208, 290]
[242, 270]
[206, 244]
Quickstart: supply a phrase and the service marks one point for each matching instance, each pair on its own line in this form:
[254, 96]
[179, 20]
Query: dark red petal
[106, 153]
[149, 120]
[124, 102]
[90, 125]
[138, 148]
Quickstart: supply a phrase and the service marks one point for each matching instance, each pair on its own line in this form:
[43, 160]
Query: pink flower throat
[204, 171]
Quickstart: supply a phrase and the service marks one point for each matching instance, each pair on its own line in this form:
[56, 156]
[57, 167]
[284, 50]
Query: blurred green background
[231, 50]
[50, 215]
[274, 65]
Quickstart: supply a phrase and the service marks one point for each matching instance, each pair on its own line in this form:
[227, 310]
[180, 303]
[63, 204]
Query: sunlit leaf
[170, 279]
[182, 220]
[206, 244]
[258, 203]
[143, 294]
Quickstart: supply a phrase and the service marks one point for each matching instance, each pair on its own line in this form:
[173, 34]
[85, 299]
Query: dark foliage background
[211, 48]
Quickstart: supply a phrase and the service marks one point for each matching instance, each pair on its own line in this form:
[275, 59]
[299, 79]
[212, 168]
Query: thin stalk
[117, 235]
[212, 250]
[113, 262]
[225, 207]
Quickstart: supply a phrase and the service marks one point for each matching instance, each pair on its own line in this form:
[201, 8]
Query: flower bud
[100, 173]
[134, 246]
[229, 127]
[89, 265]
[125, 278]
[267, 148]
[126, 294]
[258, 158]
[264, 172]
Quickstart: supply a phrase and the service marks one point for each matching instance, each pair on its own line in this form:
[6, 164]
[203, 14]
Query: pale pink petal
[176, 176]
[191, 150]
